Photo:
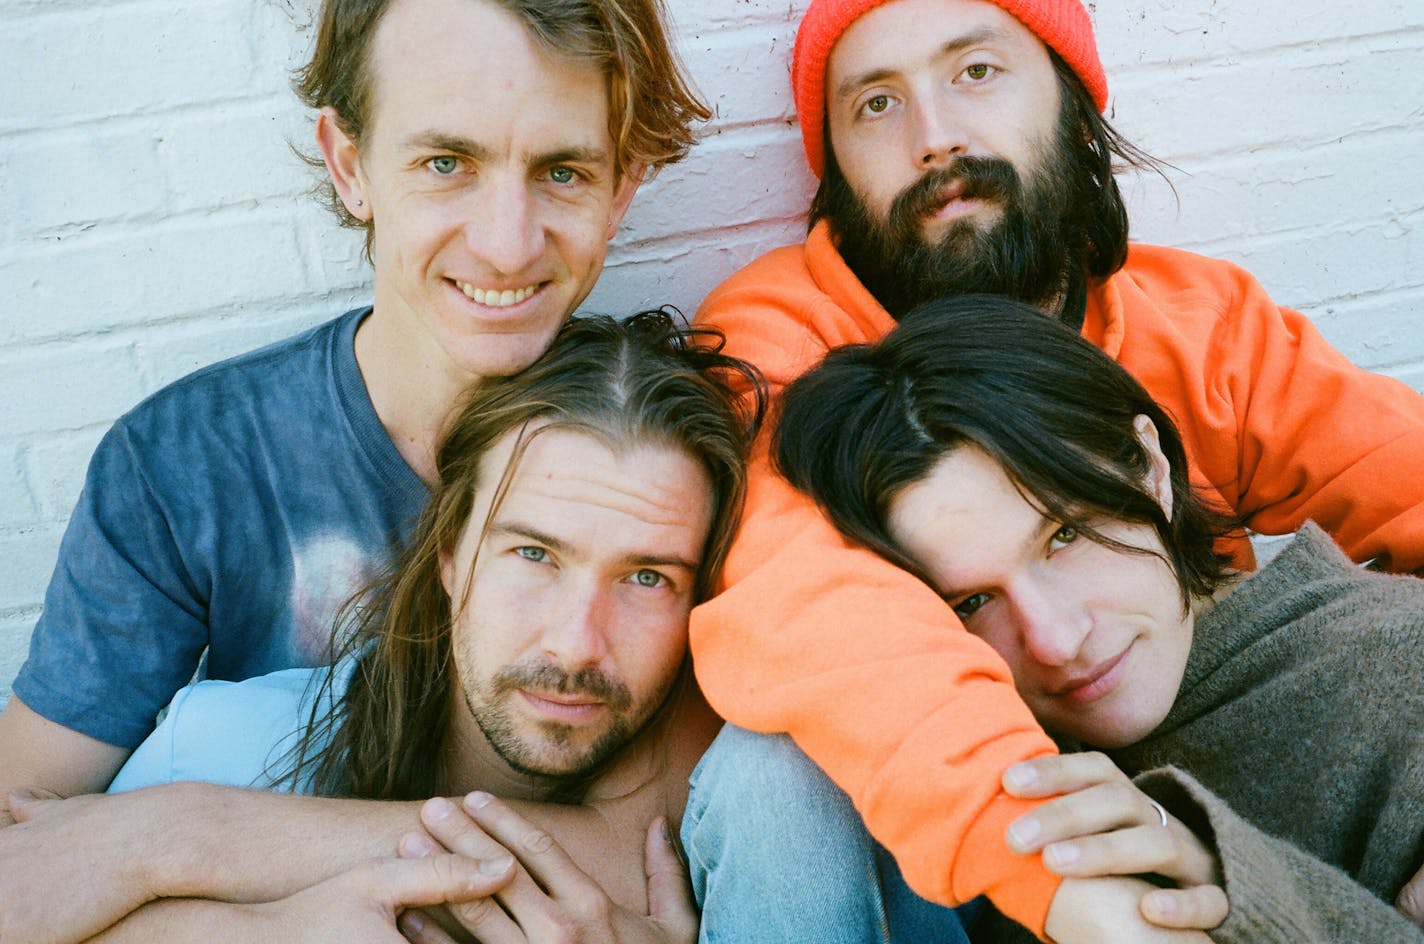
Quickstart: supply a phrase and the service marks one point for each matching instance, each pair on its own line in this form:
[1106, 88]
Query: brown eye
[1065, 535]
[877, 104]
[979, 72]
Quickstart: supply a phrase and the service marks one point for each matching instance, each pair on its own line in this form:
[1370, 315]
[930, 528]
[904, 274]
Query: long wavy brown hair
[640, 381]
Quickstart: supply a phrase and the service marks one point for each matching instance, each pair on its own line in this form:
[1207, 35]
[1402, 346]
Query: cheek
[650, 656]
[1000, 636]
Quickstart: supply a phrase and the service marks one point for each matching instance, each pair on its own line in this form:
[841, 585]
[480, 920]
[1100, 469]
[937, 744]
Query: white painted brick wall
[152, 218]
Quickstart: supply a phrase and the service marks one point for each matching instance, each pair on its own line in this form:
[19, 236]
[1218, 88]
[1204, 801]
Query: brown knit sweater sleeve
[1278, 894]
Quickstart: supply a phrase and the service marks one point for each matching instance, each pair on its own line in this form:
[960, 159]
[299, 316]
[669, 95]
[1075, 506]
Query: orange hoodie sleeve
[865, 667]
[1279, 424]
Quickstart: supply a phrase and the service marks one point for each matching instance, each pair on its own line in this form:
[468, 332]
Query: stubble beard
[552, 753]
[1024, 253]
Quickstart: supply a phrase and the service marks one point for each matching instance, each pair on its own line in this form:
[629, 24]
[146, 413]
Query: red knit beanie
[1062, 24]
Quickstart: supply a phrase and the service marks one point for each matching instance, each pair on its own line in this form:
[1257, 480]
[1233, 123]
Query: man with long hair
[962, 147]
[488, 149]
[529, 643]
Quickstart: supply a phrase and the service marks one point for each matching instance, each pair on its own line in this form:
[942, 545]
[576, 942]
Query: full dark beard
[1024, 255]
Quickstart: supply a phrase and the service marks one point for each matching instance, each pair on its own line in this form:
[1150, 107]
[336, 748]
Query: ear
[1159, 471]
[447, 570]
[343, 163]
[627, 185]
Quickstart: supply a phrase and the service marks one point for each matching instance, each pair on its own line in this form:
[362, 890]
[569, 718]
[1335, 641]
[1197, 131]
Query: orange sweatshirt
[871, 673]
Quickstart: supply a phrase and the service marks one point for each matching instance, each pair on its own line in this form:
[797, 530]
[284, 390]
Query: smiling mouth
[494, 297]
[1097, 682]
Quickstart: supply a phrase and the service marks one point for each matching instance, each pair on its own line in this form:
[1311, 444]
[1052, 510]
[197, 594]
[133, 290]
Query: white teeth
[494, 298]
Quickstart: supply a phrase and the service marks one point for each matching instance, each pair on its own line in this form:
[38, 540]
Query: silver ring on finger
[1161, 813]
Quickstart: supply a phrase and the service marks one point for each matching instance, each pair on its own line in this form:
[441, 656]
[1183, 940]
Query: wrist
[175, 827]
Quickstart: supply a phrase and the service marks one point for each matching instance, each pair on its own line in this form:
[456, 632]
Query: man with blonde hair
[489, 148]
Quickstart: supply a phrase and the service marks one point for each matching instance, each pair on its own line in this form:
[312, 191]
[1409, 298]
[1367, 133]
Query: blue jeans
[778, 854]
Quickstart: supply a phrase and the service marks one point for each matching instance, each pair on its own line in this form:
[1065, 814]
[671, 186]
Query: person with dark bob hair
[967, 147]
[1038, 489]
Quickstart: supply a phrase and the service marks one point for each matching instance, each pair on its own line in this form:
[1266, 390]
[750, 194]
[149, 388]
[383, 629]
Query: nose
[504, 230]
[939, 137]
[1053, 624]
[576, 634]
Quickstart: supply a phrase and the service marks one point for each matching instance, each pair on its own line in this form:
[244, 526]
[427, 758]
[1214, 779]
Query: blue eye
[562, 175]
[535, 554]
[648, 578]
[444, 166]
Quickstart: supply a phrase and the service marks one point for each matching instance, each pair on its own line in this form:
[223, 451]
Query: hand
[1102, 824]
[363, 904]
[52, 841]
[550, 900]
[1093, 910]
[1411, 898]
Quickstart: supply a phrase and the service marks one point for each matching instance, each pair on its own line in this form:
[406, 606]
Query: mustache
[546, 677]
[980, 178]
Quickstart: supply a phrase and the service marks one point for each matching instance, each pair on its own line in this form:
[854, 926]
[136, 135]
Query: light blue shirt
[233, 733]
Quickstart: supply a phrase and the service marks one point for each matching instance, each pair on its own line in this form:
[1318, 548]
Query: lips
[565, 707]
[1096, 682]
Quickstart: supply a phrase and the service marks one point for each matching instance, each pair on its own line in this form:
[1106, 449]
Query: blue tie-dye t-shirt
[234, 511]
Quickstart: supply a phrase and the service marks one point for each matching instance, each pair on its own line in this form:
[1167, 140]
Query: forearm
[247, 845]
[181, 921]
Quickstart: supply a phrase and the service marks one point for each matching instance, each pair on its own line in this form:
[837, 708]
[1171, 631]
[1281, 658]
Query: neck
[412, 391]
[471, 763]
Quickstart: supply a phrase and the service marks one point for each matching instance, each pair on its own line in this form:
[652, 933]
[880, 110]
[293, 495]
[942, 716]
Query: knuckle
[475, 912]
[565, 930]
[537, 841]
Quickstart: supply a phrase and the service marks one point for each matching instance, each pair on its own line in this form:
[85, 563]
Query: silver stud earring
[360, 203]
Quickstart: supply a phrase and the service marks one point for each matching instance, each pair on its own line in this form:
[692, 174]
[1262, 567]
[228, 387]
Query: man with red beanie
[961, 148]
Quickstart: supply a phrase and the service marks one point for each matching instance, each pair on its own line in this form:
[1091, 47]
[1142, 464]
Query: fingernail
[478, 800]
[1023, 831]
[496, 866]
[412, 921]
[1021, 776]
[416, 846]
[667, 833]
[439, 807]
[1062, 853]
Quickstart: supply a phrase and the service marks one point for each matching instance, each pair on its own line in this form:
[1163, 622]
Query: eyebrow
[467, 147]
[517, 529]
[1033, 539]
[972, 38]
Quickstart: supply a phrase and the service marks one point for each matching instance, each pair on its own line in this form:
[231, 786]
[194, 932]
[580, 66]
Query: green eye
[444, 165]
[562, 175]
[978, 72]
[1065, 535]
[647, 578]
